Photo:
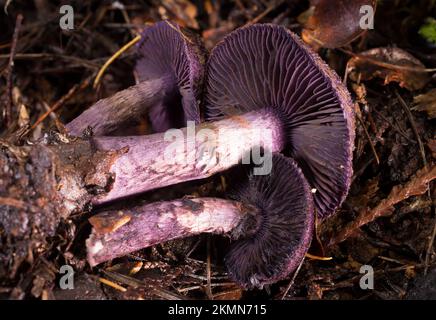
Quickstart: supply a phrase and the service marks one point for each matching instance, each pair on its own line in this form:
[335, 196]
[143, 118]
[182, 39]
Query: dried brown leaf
[426, 102]
[390, 64]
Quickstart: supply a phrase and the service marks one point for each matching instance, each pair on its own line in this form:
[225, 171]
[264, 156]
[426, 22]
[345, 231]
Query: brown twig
[94, 64]
[9, 82]
[208, 270]
[377, 159]
[270, 8]
[394, 126]
[291, 283]
[241, 7]
[112, 284]
[412, 123]
[62, 101]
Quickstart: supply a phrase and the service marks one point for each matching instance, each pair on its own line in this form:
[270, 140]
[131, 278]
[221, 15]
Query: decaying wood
[39, 186]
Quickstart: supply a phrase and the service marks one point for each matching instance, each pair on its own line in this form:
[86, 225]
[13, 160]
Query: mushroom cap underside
[170, 52]
[284, 219]
[266, 66]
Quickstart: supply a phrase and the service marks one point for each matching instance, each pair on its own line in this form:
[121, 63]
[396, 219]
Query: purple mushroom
[263, 79]
[271, 218]
[266, 66]
[170, 71]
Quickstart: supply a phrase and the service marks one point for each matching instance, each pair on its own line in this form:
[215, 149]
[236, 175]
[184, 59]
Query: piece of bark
[40, 185]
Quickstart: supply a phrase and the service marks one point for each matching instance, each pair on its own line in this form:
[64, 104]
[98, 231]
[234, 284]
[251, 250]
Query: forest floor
[388, 221]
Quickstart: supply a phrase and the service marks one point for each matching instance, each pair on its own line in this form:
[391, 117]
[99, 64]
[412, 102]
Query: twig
[292, 280]
[208, 271]
[393, 260]
[412, 123]
[243, 9]
[168, 295]
[124, 279]
[198, 287]
[5, 8]
[377, 159]
[113, 58]
[61, 101]
[193, 248]
[203, 278]
[9, 83]
[270, 8]
[31, 56]
[112, 284]
[314, 257]
[394, 126]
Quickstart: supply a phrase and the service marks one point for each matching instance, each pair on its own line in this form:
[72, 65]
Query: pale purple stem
[117, 233]
[179, 155]
[108, 114]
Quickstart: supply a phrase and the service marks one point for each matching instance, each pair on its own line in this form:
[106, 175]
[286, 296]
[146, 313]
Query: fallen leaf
[426, 102]
[390, 64]
[319, 31]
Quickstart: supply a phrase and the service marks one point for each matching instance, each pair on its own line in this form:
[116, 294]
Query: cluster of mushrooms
[258, 76]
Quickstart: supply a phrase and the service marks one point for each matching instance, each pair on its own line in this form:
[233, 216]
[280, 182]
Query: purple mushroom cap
[168, 51]
[279, 233]
[267, 66]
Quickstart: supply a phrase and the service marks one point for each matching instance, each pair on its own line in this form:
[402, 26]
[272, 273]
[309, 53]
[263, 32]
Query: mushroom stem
[107, 114]
[271, 217]
[117, 233]
[180, 155]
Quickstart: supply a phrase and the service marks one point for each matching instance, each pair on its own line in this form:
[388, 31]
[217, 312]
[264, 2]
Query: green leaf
[428, 30]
